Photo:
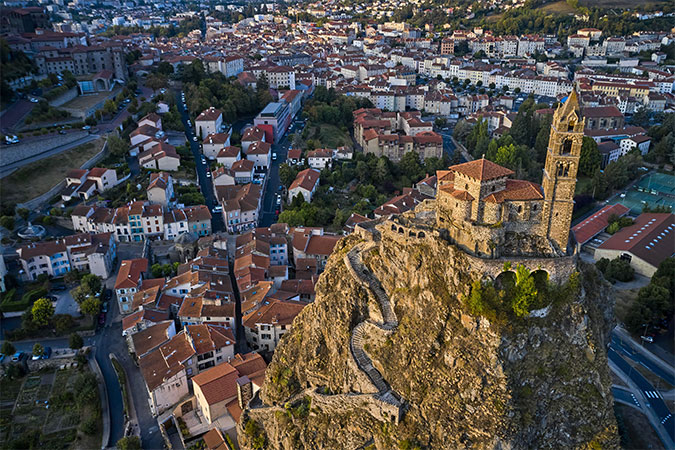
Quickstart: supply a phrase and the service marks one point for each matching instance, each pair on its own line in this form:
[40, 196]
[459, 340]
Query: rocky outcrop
[389, 331]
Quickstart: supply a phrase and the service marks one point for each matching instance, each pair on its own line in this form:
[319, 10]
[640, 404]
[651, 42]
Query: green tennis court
[657, 189]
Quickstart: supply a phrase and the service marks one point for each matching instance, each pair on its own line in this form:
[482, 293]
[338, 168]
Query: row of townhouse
[142, 220]
[394, 134]
[93, 253]
[85, 183]
[192, 372]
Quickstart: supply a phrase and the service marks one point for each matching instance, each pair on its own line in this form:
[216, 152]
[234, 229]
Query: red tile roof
[651, 238]
[598, 221]
[482, 169]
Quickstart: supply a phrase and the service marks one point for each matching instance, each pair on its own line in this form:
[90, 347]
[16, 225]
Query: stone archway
[506, 280]
[540, 278]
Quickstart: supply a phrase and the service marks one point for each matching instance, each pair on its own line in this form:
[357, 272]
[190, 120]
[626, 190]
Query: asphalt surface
[625, 396]
[9, 168]
[14, 114]
[205, 183]
[268, 214]
[624, 348]
[654, 399]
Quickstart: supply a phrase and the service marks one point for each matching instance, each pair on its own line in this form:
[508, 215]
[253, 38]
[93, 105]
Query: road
[623, 395]
[205, 183]
[655, 407]
[9, 168]
[626, 346]
[268, 214]
[14, 114]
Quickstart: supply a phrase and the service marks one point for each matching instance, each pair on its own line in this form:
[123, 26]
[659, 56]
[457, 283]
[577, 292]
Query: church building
[492, 215]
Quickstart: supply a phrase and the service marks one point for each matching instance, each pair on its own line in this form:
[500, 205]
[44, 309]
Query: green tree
[7, 348]
[157, 81]
[23, 213]
[91, 306]
[410, 165]
[525, 292]
[42, 311]
[38, 350]
[92, 283]
[590, 158]
[63, 323]
[287, 174]
[75, 342]
[109, 107]
[641, 117]
[117, 146]
[7, 222]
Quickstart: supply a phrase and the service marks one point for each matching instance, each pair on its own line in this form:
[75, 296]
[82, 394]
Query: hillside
[388, 356]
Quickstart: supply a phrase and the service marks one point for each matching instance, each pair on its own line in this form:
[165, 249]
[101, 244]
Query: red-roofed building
[128, 281]
[227, 385]
[305, 184]
[595, 224]
[645, 244]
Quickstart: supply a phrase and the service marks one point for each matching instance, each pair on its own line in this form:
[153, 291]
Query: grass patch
[624, 300]
[333, 137]
[24, 184]
[584, 186]
[561, 7]
[122, 377]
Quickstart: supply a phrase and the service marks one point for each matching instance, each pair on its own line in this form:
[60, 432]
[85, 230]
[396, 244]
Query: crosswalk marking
[665, 419]
[651, 394]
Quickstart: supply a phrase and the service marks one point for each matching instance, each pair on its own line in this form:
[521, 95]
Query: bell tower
[560, 170]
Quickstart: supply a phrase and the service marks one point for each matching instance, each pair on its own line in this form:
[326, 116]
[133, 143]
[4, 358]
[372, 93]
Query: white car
[194, 138]
[274, 156]
[217, 209]
[208, 174]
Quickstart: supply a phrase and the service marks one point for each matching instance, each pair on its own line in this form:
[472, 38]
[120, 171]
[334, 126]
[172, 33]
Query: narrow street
[205, 182]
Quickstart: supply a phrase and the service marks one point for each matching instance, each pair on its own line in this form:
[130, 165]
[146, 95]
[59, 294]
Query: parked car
[274, 156]
[58, 287]
[86, 127]
[208, 174]
[105, 307]
[101, 319]
[217, 209]
[18, 356]
[194, 138]
[34, 100]
[46, 353]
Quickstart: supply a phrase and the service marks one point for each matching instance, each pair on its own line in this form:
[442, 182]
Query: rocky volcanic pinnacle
[388, 356]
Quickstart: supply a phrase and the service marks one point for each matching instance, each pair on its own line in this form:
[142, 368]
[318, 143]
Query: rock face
[388, 357]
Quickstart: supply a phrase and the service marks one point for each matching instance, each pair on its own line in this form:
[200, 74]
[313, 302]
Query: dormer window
[466, 187]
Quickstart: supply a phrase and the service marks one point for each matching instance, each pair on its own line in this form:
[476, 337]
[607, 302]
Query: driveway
[66, 304]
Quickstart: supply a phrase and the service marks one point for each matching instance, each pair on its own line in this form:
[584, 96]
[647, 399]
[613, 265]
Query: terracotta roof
[215, 440]
[306, 180]
[321, 245]
[482, 169]
[210, 114]
[150, 338]
[166, 361]
[217, 383]
[651, 238]
[130, 272]
[598, 221]
[275, 313]
[517, 190]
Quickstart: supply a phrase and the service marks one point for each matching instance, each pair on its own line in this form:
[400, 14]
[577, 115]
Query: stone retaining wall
[65, 98]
